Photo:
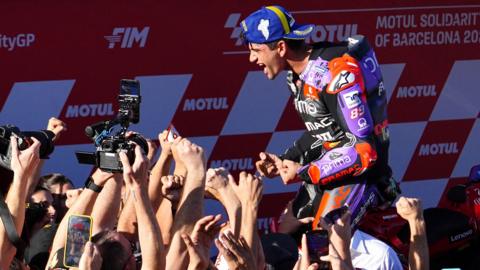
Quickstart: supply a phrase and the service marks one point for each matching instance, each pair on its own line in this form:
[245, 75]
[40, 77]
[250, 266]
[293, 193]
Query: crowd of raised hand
[151, 215]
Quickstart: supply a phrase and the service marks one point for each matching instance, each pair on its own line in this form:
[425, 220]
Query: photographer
[39, 228]
[23, 165]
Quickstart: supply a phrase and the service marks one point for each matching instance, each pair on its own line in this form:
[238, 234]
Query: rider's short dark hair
[293, 44]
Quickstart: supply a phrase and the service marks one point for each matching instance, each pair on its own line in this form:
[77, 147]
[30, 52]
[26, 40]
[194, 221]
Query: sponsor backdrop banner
[66, 60]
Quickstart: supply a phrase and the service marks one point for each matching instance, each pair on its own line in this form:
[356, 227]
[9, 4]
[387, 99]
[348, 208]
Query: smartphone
[129, 100]
[79, 232]
[129, 87]
[317, 242]
[332, 216]
[172, 133]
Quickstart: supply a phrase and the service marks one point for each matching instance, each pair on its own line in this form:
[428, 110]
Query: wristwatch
[92, 186]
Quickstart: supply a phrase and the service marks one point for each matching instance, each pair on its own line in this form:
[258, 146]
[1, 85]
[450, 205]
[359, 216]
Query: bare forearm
[127, 222]
[190, 206]
[418, 253]
[164, 217]
[249, 231]
[177, 255]
[180, 169]
[107, 205]
[150, 236]
[232, 205]
[33, 179]
[342, 260]
[190, 209]
[249, 224]
[15, 201]
[160, 169]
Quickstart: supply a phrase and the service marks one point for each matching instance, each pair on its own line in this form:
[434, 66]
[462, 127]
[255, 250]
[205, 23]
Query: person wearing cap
[338, 92]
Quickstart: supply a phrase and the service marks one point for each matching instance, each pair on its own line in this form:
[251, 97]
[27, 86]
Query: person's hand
[91, 258]
[164, 144]
[235, 251]
[72, 195]
[152, 150]
[190, 154]
[304, 261]
[135, 175]
[200, 241]
[100, 177]
[409, 209]
[288, 171]
[172, 187]
[216, 181]
[268, 165]
[339, 235]
[289, 223]
[23, 163]
[249, 189]
[56, 126]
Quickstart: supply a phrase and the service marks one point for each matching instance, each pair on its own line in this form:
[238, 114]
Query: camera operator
[23, 164]
[20, 161]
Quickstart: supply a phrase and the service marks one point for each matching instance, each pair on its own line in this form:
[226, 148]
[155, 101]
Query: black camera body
[108, 154]
[109, 146]
[23, 140]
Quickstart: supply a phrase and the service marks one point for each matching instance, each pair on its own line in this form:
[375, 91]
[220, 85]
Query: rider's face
[269, 59]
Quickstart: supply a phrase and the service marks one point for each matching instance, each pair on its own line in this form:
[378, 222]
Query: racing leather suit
[341, 98]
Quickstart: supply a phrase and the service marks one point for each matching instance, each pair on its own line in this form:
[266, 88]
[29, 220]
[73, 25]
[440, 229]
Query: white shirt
[370, 253]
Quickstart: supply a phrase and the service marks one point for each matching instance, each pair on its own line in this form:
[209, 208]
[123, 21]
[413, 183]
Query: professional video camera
[24, 141]
[109, 146]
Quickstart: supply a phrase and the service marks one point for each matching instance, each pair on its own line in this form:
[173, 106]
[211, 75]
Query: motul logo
[416, 91]
[332, 32]
[205, 104]
[127, 36]
[438, 149]
[89, 110]
[233, 164]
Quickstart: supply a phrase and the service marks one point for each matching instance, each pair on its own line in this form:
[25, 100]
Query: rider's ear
[282, 48]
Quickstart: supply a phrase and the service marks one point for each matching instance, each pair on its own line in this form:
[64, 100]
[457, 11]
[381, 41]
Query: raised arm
[107, 205]
[190, 207]
[250, 190]
[218, 187]
[23, 164]
[149, 235]
[411, 210]
[83, 205]
[161, 168]
[57, 127]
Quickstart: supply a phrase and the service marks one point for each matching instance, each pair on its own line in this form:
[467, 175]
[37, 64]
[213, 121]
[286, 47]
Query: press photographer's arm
[23, 165]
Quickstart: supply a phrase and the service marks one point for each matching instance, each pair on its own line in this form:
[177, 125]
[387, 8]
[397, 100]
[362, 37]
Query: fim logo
[233, 22]
[127, 36]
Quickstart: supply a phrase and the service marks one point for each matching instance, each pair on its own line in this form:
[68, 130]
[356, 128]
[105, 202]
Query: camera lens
[45, 137]
[140, 141]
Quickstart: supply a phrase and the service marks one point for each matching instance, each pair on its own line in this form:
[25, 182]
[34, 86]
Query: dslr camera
[24, 141]
[110, 143]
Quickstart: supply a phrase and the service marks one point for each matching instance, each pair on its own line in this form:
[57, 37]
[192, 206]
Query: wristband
[92, 186]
